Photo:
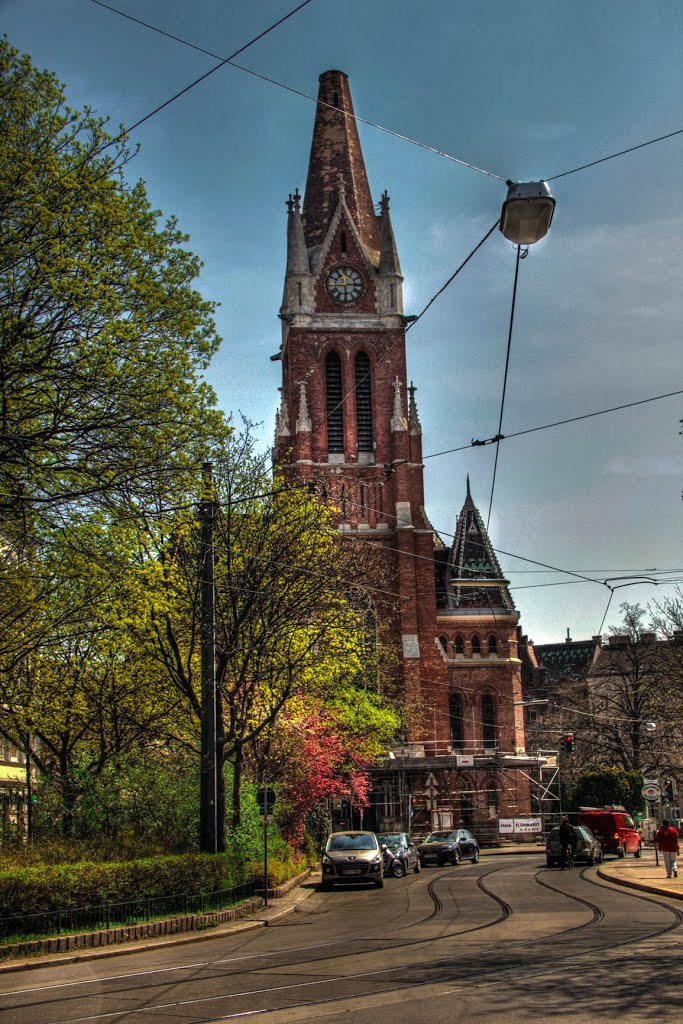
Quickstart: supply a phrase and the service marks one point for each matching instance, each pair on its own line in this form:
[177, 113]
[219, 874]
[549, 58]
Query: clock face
[345, 284]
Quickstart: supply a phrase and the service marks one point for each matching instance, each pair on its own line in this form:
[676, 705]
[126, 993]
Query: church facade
[348, 418]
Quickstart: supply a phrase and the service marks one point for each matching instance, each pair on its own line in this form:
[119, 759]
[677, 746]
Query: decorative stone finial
[282, 417]
[398, 420]
[413, 418]
[303, 420]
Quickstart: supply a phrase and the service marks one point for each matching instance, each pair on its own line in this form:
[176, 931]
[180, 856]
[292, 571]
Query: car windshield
[391, 838]
[352, 841]
[442, 837]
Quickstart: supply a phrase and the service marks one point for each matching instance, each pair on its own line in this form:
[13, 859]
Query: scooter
[393, 865]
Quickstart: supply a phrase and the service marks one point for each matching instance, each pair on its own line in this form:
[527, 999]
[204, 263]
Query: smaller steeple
[414, 424]
[388, 253]
[297, 257]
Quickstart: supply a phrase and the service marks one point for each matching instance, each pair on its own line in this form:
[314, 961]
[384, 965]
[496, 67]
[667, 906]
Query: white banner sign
[520, 826]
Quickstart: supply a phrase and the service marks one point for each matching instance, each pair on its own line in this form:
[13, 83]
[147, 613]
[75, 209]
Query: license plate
[353, 871]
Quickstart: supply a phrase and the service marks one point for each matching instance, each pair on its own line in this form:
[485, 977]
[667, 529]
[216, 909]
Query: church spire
[474, 576]
[335, 155]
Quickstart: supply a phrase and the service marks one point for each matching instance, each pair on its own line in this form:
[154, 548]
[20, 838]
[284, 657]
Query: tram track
[515, 956]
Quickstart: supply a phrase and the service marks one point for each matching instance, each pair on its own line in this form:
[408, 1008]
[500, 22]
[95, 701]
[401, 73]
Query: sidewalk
[643, 873]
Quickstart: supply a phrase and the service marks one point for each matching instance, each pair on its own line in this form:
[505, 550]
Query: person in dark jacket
[567, 843]
[666, 841]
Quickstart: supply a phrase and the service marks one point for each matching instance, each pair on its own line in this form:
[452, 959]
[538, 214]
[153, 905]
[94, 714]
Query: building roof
[568, 661]
[470, 576]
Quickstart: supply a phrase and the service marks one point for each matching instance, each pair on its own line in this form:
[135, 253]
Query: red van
[615, 829]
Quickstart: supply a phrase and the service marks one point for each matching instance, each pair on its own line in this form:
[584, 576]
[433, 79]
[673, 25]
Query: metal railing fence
[116, 915]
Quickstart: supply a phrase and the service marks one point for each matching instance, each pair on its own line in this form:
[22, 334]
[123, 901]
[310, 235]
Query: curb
[657, 890]
[121, 941]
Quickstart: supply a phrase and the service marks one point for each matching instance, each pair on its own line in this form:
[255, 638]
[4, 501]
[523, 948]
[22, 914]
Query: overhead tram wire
[162, 106]
[547, 426]
[362, 120]
[299, 92]
[381, 359]
[505, 381]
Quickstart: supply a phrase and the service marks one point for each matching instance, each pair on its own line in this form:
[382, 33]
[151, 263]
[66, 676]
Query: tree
[103, 336]
[634, 699]
[601, 786]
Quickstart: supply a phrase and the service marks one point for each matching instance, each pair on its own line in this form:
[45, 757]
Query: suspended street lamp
[527, 211]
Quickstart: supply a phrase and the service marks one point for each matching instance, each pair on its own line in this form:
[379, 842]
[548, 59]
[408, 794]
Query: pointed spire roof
[335, 155]
[388, 253]
[474, 577]
[297, 257]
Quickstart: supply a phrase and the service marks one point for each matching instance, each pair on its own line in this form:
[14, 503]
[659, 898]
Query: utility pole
[208, 803]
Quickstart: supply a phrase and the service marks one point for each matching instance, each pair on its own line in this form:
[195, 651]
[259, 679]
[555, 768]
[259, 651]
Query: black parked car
[404, 850]
[448, 847]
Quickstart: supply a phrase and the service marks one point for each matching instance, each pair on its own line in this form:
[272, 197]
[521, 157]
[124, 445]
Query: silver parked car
[352, 857]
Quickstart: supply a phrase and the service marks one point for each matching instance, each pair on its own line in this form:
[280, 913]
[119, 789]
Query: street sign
[652, 791]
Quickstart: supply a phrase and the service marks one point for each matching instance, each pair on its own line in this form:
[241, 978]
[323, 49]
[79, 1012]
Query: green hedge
[54, 887]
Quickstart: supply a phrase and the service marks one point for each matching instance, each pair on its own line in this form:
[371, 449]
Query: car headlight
[327, 860]
[376, 861]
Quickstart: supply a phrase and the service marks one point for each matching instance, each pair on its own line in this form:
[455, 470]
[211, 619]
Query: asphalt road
[506, 940]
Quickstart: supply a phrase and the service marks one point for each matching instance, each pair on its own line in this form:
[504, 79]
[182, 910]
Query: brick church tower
[347, 417]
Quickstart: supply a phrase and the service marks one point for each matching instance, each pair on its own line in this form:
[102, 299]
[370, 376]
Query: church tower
[347, 419]
[347, 416]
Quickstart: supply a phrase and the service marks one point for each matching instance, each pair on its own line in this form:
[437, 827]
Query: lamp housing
[527, 212]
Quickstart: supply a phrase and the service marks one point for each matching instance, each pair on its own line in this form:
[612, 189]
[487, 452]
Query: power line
[547, 426]
[162, 106]
[397, 341]
[298, 92]
[613, 156]
[505, 381]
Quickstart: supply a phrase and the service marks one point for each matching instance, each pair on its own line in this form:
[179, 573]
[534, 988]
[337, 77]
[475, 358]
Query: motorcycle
[393, 865]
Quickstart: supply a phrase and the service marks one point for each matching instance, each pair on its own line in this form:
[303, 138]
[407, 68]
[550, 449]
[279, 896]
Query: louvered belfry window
[363, 403]
[335, 415]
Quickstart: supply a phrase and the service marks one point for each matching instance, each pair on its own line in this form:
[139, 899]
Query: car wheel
[590, 860]
[622, 852]
[455, 857]
[475, 858]
[418, 866]
[398, 869]
[550, 861]
[379, 883]
[637, 853]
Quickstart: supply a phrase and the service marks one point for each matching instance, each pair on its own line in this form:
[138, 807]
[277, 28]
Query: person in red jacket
[666, 841]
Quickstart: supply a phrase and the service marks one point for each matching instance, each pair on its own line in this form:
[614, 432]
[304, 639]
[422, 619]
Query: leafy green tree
[104, 337]
[602, 786]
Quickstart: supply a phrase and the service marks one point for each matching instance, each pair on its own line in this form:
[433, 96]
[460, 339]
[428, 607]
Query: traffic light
[568, 743]
[669, 791]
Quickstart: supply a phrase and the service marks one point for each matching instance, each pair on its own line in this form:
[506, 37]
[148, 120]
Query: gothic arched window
[443, 640]
[455, 716]
[476, 644]
[493, 644]
[459, 644]
[488, 721]
[363, 403]
[333, 395]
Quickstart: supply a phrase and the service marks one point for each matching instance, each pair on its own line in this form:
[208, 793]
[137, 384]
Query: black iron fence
[117, 915]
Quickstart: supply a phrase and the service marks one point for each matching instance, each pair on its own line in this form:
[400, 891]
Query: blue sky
[522, 90]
